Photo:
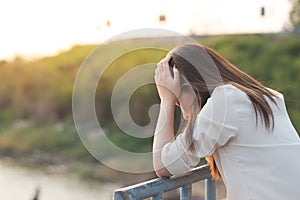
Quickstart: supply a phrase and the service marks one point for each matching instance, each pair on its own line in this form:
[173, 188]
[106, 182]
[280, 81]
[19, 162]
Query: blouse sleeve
[215, 125]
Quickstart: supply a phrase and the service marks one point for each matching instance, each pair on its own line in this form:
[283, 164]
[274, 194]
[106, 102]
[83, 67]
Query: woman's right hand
[168, 87]
[168, 90]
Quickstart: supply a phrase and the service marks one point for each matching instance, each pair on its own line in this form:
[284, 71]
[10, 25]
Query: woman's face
[186, 100]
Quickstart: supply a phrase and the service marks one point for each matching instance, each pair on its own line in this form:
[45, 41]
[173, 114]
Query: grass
[40, 92]
[55, 139]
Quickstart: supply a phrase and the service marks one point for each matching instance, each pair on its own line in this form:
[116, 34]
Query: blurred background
[43, 43]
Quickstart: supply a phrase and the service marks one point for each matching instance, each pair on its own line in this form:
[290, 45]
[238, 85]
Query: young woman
[240, 126]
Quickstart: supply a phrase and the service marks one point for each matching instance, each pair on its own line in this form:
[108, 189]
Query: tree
[295, 13]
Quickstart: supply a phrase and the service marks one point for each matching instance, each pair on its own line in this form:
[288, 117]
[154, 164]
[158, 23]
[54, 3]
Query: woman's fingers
[159, 67]
[165, 62]
[176, 74]
[163, 67]
[168, 57]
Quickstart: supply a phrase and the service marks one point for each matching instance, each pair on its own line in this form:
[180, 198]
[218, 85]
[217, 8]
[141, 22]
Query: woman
[240, 126]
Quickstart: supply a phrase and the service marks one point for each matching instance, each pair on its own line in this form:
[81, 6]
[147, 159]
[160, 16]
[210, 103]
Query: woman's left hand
[167, 86]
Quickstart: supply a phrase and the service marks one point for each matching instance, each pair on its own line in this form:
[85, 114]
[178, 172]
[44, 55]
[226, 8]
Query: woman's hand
[168, 87]
[168, 90]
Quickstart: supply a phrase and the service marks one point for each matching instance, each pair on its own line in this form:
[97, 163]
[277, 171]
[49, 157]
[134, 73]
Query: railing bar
[210, 189]
[120, 196]
[149, 188]
[158, 196]
[186, 192]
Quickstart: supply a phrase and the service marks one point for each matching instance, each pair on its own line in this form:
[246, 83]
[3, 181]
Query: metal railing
[156, 187]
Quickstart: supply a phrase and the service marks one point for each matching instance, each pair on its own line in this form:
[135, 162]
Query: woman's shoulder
[237, 98]
[227, 90]
[231, 89]
[227, 86]
[276, 93]
[225, 96]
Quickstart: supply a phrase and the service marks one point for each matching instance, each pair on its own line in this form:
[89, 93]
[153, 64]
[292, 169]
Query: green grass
[54, 139]
[40, 91]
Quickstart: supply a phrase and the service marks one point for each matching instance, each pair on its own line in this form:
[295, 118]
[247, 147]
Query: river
[21, 183]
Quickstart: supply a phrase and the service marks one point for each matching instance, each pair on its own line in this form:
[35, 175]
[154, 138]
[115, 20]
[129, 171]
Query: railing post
[158, 197]
[119, 196]
[186, 192]
[210, 189]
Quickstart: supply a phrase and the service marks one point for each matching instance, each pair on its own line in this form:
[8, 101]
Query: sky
[35, 28]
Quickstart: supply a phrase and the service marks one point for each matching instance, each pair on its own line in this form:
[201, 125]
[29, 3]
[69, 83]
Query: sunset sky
[35, 28]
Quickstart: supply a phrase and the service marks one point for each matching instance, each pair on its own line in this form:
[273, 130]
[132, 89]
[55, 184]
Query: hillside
[36, 96]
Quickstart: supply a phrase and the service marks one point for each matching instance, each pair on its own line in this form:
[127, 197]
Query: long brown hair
[205, 69]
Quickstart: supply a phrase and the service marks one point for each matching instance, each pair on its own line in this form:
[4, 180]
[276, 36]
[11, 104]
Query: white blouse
[255, 162]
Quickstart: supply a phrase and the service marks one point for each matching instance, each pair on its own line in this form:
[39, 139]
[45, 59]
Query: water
[21, 183]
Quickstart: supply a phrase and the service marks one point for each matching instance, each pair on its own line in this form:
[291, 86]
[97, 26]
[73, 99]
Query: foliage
[40, 91]
[295, 13]
[37, 140]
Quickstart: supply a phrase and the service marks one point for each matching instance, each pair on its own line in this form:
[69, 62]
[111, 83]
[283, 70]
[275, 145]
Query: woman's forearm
[164, 133]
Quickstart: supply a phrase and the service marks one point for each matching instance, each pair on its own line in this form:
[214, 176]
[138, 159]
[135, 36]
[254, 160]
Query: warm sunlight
[35, 28]
[97, 100]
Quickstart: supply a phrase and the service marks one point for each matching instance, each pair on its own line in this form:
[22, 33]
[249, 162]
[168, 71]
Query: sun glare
[35, 28]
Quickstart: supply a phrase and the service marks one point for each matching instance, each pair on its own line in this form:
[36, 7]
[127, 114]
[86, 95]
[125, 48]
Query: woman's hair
[205, 69]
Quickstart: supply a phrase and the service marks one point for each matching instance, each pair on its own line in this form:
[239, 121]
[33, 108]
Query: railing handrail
[156, 187]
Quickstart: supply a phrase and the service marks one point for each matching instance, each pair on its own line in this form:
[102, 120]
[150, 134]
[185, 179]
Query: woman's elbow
[163, 172]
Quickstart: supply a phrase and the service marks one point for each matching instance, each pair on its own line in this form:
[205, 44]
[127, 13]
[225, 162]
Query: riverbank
[86, 171]
[28, 182]
[56, 148]
[20, 182]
